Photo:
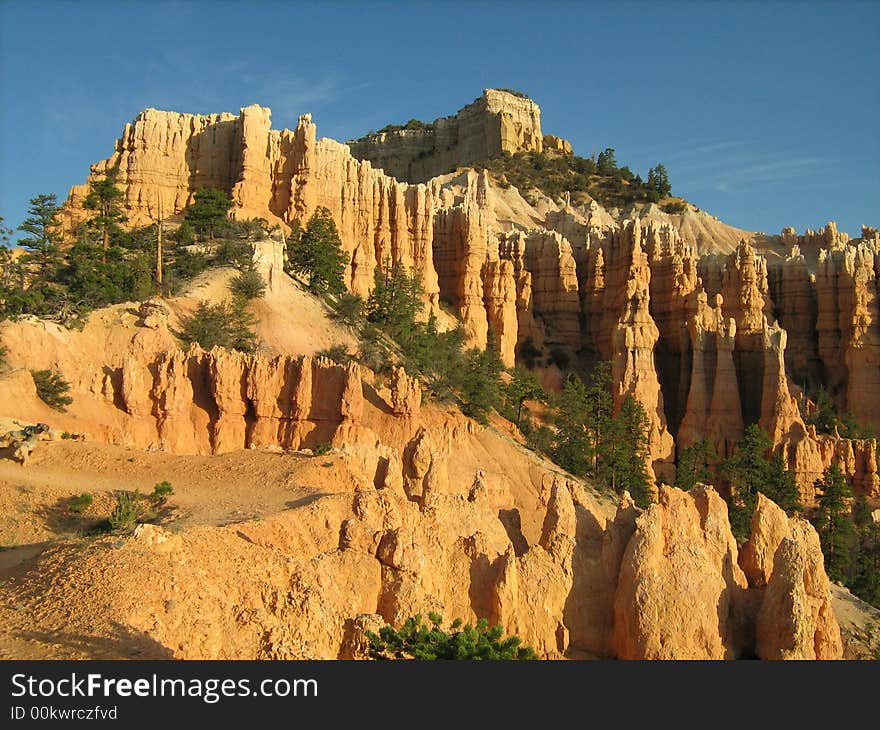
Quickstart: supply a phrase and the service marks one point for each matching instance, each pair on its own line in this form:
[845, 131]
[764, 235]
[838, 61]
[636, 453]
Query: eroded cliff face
[496, 122]
[163, 158]
[709, 335]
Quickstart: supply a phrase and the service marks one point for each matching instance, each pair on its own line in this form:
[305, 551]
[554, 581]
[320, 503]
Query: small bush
[161, 492]
[81, 503]
[674, 206]
[417, 640]
[128, 512]
[4, 352]
[235, 253]
[248, 285]
[323, 448]
[349, 309]
[51, 388]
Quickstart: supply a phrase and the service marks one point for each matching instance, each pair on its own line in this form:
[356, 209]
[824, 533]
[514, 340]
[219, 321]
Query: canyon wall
[709, 339]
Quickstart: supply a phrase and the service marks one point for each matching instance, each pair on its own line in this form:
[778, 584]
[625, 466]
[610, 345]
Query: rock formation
[496, 122]
[709, 335]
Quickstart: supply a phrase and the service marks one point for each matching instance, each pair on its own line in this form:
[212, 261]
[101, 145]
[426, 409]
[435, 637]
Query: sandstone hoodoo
[532, 388]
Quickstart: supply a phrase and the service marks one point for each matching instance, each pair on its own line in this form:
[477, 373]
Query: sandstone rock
[495, 122]
[680, 587]
[796, 620]
[406, 393]
[770, 526]
[153, 314]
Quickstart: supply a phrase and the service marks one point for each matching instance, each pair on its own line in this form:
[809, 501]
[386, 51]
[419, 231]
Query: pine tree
[599, 413]
[571, 446]
[43, 239]
[523, 386]
[105, 198]
[478, 382]
[317, 253]
[693, 465]
[866, 583]
[606, 164]
[208, 211]
[747, 472]
[834, 522]
[658, 181]
[780, 485]
[624, 458]
[417, 640]
[396, 302]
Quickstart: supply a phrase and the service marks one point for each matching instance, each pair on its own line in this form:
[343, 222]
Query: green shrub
[248, 284]
[322, 448]
[223, 325]
[349, 309]
[81, 503]
[528, 353]
[51, 388]
[417, 640]
[316, 252]
[161, 492]
[674, 206]
[232, 252]
[128, 512]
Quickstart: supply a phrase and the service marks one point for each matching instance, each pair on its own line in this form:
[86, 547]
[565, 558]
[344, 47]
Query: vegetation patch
[419, 640]
[52, 388]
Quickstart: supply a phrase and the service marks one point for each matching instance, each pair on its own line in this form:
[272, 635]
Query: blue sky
[765, 114]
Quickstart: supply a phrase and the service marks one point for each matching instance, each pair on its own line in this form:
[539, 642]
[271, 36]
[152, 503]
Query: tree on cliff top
[317, 253]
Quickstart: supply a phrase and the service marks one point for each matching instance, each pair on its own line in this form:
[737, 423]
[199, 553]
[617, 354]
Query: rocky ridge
[707, 334]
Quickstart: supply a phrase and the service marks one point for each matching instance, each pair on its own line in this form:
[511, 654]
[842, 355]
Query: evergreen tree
[523, 386]
[317, 253]
[223, 325]
[824, 417]
[571, 446]
[599, 415]
[693, 465]
[416, 640]
[396, 302]
[658, 181]
[866, 583]
[606, 164]
[42, 242]
[747, 470]
[781, 486]
[624, 457]
[752, 469]
[105, 198]
[834, 522]
[478, 382]
[209, 211]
